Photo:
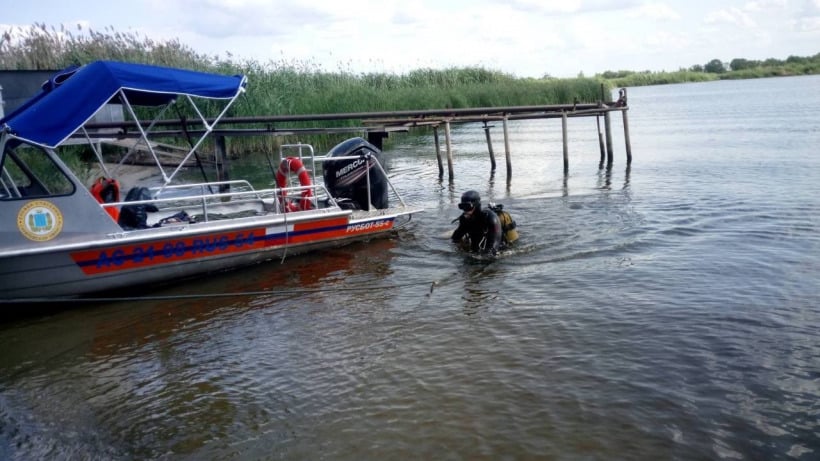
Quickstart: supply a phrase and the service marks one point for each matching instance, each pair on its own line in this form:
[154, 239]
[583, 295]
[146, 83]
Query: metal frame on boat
[59, 239]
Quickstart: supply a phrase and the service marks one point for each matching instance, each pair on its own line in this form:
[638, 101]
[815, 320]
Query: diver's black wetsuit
[484, 230]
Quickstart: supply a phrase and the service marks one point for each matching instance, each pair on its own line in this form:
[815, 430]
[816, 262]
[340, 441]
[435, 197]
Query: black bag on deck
[136, 216]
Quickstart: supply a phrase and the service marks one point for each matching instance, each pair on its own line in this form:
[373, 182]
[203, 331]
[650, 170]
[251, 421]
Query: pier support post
[565, 141]
[376, 138]
[600, 141]
[438, 153]
[448, 145]
[627, 143]
[507, 148]
[608, 134]
[222, 163]
[490, 146]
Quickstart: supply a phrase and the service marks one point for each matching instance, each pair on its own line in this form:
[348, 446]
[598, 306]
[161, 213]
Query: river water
[665, 311]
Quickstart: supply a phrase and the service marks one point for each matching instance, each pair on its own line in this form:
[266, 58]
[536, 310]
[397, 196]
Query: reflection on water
[605, 179]
[665, 310]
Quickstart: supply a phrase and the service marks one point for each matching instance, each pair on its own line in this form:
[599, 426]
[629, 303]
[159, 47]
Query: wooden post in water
[376, 138]
[449, 146]
[489, 145]
[438, 153]
[607, 130]
[608, 134]
[566, 142]
[626, 138]
[222, 163]
[600, 141]
[507, 148]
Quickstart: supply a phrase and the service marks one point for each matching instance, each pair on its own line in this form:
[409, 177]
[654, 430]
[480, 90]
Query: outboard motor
[347, 179]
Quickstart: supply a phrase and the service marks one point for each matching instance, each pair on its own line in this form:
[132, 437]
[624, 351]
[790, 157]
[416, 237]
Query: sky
[526, 38]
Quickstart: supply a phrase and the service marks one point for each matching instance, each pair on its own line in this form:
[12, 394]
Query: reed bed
[298, 87]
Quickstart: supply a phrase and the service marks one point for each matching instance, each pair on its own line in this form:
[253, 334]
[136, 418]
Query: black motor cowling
[347, 179]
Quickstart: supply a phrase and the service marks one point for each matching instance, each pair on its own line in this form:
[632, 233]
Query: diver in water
[481, 228]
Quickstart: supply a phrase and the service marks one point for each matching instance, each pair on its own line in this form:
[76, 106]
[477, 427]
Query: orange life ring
[294, 165]
[107, 190]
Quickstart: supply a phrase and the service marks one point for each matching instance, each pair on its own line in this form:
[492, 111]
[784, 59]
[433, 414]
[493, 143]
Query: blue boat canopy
[71, 97]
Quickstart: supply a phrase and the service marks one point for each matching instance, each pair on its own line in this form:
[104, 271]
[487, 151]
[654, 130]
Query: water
[663, 311]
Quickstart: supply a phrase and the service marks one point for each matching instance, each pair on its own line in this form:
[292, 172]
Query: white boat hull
[196, 249]
[61, 237]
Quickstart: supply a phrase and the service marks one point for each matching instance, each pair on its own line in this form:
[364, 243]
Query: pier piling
[438, 153]
[600, 142]
[507, 148]
[627, 143]
[608, 136]
[222, 163]
[565, 141]
[489, 145]
[449, 147]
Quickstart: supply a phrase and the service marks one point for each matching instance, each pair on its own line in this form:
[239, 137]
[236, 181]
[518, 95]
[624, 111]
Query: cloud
[811, 8]
[733, 16]
[807, 25]
[248, 18]
[566, 7]
[759, 5]
[546, 7]
[655, 11]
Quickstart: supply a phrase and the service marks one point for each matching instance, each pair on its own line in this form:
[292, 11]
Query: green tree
[715, 66]
[740, 64]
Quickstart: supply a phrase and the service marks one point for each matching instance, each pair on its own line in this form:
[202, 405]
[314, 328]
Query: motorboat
[62, 237]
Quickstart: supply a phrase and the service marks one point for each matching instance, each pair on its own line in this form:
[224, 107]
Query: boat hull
[138, 260]
[62, 237]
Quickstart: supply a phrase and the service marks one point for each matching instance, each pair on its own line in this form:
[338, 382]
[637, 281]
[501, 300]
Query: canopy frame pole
[143, 134]
[95, 147]
[208, 129]
[133, 148]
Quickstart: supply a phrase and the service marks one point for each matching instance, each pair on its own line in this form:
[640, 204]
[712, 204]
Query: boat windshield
[28, 171]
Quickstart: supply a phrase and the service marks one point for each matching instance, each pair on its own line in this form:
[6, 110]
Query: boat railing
[204, 187]
[298, 150]
[221, 199]
[201, 199]
[326, 158]
[305, 153]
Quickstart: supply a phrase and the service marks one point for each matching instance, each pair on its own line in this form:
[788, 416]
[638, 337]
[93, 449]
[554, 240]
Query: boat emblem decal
[40, 220]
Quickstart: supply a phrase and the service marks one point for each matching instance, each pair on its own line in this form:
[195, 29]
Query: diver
[481, 228]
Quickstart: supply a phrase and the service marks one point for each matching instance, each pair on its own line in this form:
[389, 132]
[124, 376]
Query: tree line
[715, 69]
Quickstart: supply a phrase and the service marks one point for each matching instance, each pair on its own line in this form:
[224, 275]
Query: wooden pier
[378, 125]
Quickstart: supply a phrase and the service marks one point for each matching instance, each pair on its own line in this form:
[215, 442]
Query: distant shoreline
[715, 70]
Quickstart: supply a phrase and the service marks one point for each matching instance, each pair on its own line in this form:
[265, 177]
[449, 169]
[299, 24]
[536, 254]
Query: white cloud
[759, 5]
[811, 8]
[807, 25]
[734, 16]
[663, 41]
[655, 11]
[547, 7]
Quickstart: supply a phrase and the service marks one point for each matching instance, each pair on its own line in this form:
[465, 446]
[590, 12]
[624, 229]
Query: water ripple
[667, 310]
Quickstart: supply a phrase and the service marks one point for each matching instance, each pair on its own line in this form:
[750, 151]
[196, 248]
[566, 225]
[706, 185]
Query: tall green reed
[297, 87]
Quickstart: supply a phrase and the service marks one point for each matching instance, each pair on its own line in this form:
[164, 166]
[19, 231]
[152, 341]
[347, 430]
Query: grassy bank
[716, 70]
[277, 88]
